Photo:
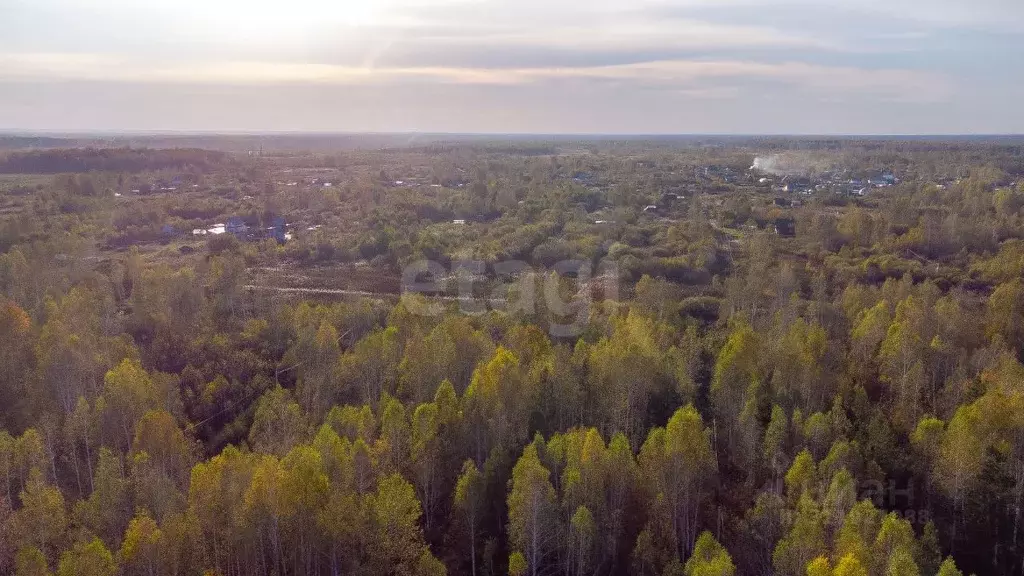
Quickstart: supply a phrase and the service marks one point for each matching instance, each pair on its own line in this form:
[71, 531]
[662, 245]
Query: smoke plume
[784, 164]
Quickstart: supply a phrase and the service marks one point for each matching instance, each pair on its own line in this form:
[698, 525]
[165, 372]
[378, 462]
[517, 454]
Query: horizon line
[32, 132]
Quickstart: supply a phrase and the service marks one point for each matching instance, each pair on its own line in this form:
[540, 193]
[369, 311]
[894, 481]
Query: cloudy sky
[535, 66]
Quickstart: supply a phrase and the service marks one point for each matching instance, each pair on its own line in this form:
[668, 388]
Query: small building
[236, 226]
[459, 222]
[782, 203]
[785, 227]
[278, 230]
[793, 184]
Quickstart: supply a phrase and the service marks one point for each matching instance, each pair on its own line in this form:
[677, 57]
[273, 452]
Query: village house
[236, 226]
[785, 227]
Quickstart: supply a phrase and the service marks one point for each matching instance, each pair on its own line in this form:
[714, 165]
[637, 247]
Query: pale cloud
[684, 75]
[631, 33]
[877, 56]
[995, 14]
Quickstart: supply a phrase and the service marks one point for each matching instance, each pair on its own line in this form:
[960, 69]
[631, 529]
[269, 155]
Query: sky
[514, 66]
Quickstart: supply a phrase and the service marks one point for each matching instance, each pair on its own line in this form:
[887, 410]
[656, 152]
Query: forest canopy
[842, 397]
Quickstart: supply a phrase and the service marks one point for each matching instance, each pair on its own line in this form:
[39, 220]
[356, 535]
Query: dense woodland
[848, 401]
[52, 161]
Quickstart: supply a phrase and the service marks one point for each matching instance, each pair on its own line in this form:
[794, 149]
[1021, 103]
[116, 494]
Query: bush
[221, 243]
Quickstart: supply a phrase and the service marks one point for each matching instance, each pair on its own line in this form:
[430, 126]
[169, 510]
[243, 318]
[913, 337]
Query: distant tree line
[73, 160]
